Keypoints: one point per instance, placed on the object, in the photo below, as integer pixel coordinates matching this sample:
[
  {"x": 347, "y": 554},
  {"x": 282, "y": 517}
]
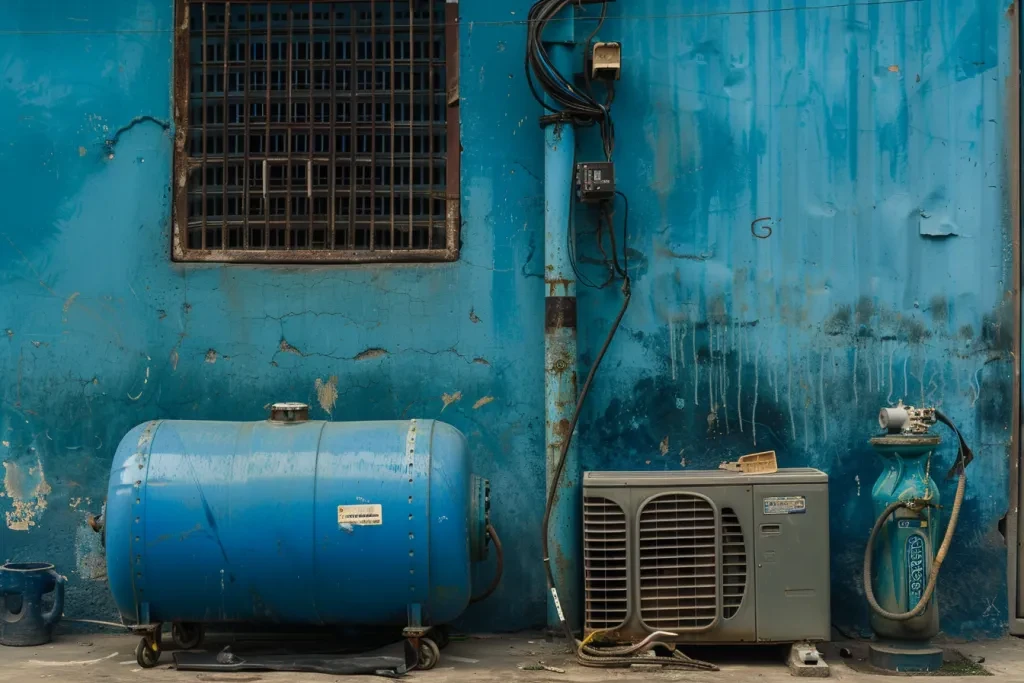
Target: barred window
[{"x": 316, "y": 131}]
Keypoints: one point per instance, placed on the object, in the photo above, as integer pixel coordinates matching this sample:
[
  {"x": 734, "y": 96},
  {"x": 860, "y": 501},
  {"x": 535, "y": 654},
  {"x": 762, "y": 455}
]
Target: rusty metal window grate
[{"x": 316, "y": 131}]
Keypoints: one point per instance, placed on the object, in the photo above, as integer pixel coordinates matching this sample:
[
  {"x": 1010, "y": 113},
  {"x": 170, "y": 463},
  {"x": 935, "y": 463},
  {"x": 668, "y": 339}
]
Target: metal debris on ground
[{"x": 541, "y": 666}]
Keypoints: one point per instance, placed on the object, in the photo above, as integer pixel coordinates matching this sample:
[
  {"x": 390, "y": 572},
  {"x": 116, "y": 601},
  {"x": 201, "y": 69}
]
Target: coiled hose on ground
[
  {"x": 964, "y": 456},
  {"x": 627, "y": 655}
]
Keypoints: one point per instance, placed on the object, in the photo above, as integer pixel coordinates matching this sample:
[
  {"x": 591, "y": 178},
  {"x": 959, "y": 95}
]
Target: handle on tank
[{"x": 57, "y": 611}]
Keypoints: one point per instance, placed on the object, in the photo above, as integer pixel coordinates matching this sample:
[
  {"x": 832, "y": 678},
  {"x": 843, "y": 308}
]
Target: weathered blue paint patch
[{"x": 845, "y": 127}]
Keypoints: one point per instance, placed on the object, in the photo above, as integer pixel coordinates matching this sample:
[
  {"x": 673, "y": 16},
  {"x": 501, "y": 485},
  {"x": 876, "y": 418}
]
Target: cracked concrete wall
[{"x": 839, "y": 134}]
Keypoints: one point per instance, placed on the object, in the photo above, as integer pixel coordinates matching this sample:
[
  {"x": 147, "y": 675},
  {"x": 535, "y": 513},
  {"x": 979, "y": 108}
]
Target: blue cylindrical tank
[{"x": 301, "y": 522}]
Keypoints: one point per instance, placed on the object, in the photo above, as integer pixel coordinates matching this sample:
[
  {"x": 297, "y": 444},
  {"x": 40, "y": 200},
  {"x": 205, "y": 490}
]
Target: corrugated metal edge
[{"x": 1014, "y": 156}]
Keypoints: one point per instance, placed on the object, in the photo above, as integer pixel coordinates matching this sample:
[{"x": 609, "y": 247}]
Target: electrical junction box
[
  {"x": 606, "y": 61},
  {"x": 712, "y": 556},
  {"x": 595, "y": 181}
]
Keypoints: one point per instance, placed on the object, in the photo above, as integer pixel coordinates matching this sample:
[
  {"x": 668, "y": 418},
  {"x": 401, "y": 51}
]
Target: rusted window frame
[{"x": 180, "y": 252}]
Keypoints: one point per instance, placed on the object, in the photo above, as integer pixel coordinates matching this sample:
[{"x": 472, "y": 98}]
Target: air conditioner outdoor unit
[{"x": 713, "y": 556}]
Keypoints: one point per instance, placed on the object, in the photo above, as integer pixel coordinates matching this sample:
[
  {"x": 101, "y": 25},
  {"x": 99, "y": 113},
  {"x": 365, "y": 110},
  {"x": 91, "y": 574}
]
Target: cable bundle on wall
[{"x": 568, "y": 103}]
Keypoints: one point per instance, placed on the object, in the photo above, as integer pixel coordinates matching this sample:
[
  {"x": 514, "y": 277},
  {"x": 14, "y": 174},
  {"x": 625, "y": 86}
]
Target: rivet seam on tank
[
  {"x": 144, "y": 439},
  {"x": 135, "y": 548},
  {"x": 410, "y": 452}
]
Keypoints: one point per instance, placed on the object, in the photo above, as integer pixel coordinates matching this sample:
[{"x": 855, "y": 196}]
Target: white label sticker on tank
[
  {"x": 785, "y": 505},
  {"x": 360, "y": 515}
]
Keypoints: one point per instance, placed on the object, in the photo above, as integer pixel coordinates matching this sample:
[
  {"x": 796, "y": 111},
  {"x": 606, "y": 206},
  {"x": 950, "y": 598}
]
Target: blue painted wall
[{"x": 878, "y": 139}]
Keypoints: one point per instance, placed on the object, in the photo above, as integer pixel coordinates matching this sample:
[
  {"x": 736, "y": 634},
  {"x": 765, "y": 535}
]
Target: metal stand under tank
[{"x": 905, "y": 656}]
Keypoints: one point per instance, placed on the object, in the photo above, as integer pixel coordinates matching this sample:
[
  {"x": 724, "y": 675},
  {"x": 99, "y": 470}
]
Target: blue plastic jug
[{"x": 23, "y": 620}]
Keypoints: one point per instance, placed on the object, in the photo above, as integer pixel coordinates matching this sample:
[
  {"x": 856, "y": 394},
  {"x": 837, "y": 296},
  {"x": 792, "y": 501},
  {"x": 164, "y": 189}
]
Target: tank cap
[{"x": 289, "y": 412}]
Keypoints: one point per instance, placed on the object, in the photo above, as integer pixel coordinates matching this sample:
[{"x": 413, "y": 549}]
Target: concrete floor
[{"x": 483, "y": 659}]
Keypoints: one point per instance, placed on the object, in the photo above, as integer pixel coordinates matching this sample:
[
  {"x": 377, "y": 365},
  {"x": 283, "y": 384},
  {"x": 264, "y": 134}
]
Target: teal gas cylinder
[
  {"x": 908, "y": 539},
  {"x": 907, "y": 546}
]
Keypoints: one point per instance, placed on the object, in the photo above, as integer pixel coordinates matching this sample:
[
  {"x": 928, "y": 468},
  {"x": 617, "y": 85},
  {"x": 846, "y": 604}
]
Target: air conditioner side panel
[{"x": 792, "y": 562}]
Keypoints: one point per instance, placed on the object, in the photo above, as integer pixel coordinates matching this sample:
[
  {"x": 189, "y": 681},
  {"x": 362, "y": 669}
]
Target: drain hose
[
  {"x": 933, "y": 576},
  {"x": 627, "y": 655},
  {"x": 499, "y": 569}
]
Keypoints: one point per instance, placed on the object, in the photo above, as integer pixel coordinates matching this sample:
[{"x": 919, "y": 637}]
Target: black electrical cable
[
  {"x": 580, "y": 277},
  {"x": 568, "y": 104},
  {"x": 614, "y": 269},
  {"x": 570, "y": 247},
  {"x": 589, "y": 42},
  {"x": 560, "y": 466},
  {"x": 608, "y": 132},
  {"x": 586, "y": 654},
  {"x": 607, "y": 211},
  {"x": 499, "y": 570},
  {"x": 626, "y": 229}
]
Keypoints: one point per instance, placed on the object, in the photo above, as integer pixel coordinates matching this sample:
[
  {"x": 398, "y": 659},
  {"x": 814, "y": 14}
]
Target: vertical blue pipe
[{"x": 560, "y": 357}]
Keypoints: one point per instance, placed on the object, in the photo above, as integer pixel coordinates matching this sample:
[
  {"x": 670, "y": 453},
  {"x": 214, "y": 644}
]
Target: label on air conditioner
[
  {"x": 360, "y": 515},
  {"x": 785, "y": 505}
]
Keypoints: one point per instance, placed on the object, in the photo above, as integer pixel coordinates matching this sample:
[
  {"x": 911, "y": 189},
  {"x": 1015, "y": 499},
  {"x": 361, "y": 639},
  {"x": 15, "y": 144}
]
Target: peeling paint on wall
[
  {"x": 27, "y": 490},
  {"x": 285, "y": 347},
  {"x": 375, "y": 352},
  {"x": 90, "y": 559},
  {"x": 448, "y": 399},
  {"x": 67, "y": 305},
  {"x": 327, "y": 392}
]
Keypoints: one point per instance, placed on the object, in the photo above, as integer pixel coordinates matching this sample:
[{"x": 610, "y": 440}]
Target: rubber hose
[
  {"x": 933, "y": 576},
  {"x": 677, "y": 661},
  {"x": 97, "y": 622},
  {"x": 625, "y": 655},
  {"x": 499, "y": 553}
]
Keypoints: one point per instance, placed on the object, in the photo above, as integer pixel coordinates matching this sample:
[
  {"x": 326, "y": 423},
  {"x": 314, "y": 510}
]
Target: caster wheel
[
  {"x": 187, "y": 635},
  {"x": 429, "y": 655},
  {"x": 147, "y": 653}
]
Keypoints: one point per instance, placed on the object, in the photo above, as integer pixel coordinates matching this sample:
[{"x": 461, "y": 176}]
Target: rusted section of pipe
[{"x": 559, "y": 312}]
